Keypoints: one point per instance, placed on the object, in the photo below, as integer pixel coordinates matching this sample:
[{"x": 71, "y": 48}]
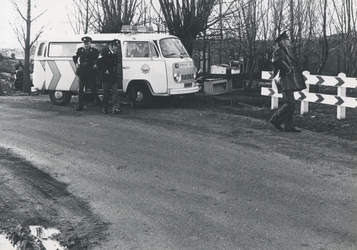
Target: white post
[
  {"x": 274, "y": 100},
  {"x": 304, "y": 107},
  {"x": 230, "y": 85},
  {"x": 341, "y": 91}
]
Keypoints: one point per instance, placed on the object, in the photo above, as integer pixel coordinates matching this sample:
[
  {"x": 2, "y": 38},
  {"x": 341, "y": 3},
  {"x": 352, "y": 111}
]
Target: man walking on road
[{"x": 289, "y": 79}]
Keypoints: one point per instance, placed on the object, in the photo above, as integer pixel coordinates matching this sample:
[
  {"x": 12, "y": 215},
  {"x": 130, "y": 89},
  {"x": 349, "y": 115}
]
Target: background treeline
[{"x": 215, "y": 31}]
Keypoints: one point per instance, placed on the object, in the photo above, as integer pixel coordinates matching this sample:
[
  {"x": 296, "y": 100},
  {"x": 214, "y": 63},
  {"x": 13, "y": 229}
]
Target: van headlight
[{"x": 177, "y": 77}]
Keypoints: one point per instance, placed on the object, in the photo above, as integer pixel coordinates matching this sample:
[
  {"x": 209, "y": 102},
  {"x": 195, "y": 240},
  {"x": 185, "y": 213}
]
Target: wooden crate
[{"x": 215, "y": 86}]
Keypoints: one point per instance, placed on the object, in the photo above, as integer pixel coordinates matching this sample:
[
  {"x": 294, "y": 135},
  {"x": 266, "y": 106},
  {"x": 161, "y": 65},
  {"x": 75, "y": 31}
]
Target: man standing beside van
[
  {"x": 85, "y": 60},
  {"x": 108, "y": 68}
]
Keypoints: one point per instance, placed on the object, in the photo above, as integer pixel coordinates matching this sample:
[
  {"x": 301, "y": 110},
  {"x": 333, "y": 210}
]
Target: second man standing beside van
[{"x": 108, "y": 68}]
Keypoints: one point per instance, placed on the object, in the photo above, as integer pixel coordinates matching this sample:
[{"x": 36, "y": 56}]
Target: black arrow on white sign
[
  {"x": 339, "y": 100},
  {"x": 319, "y": 98}
]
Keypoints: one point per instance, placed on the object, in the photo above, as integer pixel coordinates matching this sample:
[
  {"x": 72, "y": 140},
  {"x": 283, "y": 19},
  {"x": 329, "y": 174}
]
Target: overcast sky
[{"x": 54, "y": 20}]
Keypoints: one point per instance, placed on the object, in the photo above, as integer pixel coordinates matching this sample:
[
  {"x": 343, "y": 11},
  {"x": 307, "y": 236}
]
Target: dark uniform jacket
[
  {"x": 108, "y": 61},
  {"x": 287, "y": 66},
  {"x": 87, "y": 60}
]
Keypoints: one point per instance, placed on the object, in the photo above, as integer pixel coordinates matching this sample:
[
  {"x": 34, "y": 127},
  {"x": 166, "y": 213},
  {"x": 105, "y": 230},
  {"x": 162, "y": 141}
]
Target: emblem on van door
[{"x": 145, "y": 69}]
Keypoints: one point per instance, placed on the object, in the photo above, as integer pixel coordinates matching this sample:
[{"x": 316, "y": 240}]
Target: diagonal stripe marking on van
[
  {"x": 43, "y": 65},
  {"x": 43, "y": 85},
  {"x": 74, "y": 85},
  {"x": 56, "y": 75}
]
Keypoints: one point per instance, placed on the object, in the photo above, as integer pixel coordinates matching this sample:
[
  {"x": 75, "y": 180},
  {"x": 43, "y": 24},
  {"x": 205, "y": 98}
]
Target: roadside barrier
[{"x": 341, "y": 82}]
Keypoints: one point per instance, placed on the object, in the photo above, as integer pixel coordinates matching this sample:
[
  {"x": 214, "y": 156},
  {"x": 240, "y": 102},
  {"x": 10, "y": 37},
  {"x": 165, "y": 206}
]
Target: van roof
[{"x": 109, "y": 37}]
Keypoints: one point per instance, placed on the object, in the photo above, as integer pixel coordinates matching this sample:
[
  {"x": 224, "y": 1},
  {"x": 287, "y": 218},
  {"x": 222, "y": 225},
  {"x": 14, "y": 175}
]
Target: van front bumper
[{"x": 184, "y": 91}]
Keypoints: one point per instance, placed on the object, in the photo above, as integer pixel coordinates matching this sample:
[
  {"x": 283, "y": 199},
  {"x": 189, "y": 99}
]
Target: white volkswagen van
[{"x": 164, "y": 69}]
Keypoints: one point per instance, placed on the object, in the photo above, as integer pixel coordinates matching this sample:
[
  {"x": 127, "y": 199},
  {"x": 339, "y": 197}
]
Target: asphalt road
[{"x": 187, "y": 177}]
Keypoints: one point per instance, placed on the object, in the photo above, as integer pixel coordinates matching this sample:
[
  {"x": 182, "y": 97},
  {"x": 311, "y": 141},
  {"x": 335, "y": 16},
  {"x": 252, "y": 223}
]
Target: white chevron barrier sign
[{"x": 341, "y": 82}]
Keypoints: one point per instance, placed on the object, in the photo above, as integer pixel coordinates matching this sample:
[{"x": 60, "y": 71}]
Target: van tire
[
  {"x": 60, "y": 98},
  {"x": 140, "y": 96}
]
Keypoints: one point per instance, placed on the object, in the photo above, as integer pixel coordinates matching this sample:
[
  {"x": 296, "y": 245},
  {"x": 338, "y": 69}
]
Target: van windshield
[{"x": 173, "y": 48}]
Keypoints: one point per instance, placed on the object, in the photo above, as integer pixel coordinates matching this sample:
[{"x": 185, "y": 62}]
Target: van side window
[
  {"x": 136, "y": 49},
  {"x": 61, "y": 49},
  {"x": 41, "y": 50}
]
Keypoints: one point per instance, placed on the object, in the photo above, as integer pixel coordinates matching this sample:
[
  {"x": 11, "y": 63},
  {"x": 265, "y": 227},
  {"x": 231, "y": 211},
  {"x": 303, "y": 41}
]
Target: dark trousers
[
  {"x": 91, "y": 82},
  {"x": 285, "y": 114},
  {"x": 107, "y": 87}
]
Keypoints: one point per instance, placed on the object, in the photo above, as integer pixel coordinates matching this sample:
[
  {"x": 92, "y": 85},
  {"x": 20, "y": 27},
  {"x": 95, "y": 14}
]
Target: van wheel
[
  {"x": 60, "y": 98},
  {"x": 140, "y": 96}
]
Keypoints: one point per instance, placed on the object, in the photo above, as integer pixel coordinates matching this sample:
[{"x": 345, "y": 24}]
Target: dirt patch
[{"x": 31, "y": 197}]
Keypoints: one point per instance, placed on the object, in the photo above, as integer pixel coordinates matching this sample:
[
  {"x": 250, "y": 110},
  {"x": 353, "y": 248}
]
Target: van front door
[
  {"x": 141, "y": 62},
  {"x": 120, "y": 67}
]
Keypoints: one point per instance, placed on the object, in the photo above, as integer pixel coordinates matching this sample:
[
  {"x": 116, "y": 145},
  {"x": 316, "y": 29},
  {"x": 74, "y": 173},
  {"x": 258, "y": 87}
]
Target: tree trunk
[
  {"x": 292, "y": 24},
  {"x": 325, "y": 46},
  {"x": 27, "y": 81},
  {"x": 186, "y": 19}
]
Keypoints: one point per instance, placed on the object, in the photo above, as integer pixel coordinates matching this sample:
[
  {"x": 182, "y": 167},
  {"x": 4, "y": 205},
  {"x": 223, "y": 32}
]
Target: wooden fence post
[
  {"x": 341, "y": 91},
  {"x": 274, "y": 99},
  {"x": 304, "y": 106}
]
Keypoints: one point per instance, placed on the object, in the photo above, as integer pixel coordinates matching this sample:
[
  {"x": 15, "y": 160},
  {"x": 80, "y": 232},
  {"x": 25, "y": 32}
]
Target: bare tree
[
  {"x": 24, "y": 37},
  {"x": 325, "y": 45},
  {"x": 105, "y": 16},
  {"x": 186, "y": 19},
  {"x": 114, "y": 14},
  {"x": 216, "y": 42},
  {"x": 83, "y": 15},
  {"x": 247, "y": 16},
  {"x": 250, "y": 30},
  {"x": 345, "y": 26}
]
